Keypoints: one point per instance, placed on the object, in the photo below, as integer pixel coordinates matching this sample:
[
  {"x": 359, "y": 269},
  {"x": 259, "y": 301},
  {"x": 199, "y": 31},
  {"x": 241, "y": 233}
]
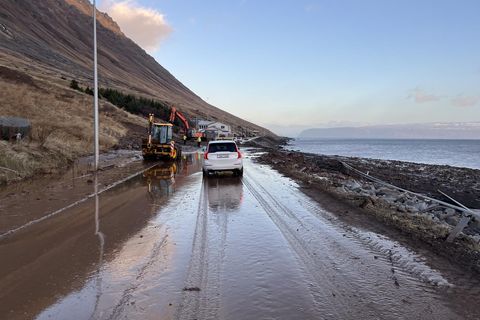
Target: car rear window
[{"x": 222, "y": 147}]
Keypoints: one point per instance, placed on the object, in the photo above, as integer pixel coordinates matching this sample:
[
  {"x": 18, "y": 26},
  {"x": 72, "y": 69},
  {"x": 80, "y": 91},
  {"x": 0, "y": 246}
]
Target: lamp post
[{"x": 95, "y": 86}]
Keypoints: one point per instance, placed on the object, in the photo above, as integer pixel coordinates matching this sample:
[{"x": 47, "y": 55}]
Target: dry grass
[{"x": 62, "y": 127}]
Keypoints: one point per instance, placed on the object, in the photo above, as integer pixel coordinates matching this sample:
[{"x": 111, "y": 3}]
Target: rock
[
  {"x": 353, "y": 185},
  {"x": 439, "y": 214},
  {"x": 367, "y": 202},
  {"x": 384, "y": 191},
  {"x": 410, "y": 208},
  {"x": 409, "y": 202},
  {"x": 452, "y": 220},
  {"x": 420, "y": 206},
  {"x": 476, "y": 238},
  {"x": 401, "y": 197},
  {"x": 389, "y": 199},
  {"x": 449, "y": 212}
]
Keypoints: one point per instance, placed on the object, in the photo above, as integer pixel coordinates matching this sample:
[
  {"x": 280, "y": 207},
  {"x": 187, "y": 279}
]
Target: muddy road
[{"x": 165, "y": 243}]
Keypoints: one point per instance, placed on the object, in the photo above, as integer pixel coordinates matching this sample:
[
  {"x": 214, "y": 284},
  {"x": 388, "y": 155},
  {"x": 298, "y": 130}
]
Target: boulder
[
  {"x": 452, "y": 220},
  {"x": 353, "y": 185}
]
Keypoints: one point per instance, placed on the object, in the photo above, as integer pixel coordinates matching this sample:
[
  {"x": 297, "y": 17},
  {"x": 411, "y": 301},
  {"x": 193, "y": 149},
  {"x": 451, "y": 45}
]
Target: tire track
[
  {"x": 128, "y": 293},
  {"x": 321, "y": 288},
  {"x": 339, "y": 264},
  {"x": 401, "y": 258},
  {"x": 200, "y": 296}
]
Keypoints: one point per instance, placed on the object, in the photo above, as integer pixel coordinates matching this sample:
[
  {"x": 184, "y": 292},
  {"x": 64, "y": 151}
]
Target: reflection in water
[
  {"x": 101, "y": 240},
  {"x": 161, "y": 180},
  {"x": 224, "y": 192},
  {"x": 191, "y": 163}
]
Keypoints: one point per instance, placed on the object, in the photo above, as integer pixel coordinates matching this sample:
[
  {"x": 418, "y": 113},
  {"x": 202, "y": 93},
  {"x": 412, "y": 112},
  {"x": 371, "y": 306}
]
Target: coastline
[
  {"x": 320, "y": 174},
  {"x": 462, "y": 153}
]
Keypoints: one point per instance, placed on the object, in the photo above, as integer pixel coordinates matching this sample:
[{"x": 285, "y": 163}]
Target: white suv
[{"x": 222, "y": 155}]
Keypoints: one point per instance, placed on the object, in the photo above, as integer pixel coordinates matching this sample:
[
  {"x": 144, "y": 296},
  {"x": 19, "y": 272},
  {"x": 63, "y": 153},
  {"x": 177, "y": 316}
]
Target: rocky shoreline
[{"x": 413, "y": 215}]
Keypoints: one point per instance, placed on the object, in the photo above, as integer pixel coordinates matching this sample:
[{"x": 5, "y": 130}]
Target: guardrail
[{"x": 467, "y": 214}]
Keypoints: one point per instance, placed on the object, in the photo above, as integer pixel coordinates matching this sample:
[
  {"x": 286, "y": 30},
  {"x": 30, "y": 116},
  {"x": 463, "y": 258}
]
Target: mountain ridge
[
  {"x": 437, "y": 130},
  {"x": 52, "y": 39}
]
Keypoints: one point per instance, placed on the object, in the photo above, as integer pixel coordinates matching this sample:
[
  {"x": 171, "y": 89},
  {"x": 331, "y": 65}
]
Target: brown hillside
[{"x": 50, "y": 39}]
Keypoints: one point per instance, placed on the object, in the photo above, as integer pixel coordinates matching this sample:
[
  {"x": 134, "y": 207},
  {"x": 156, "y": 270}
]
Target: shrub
[
  {"x": 74, "y": 85},
  {"x": 89, "y": 91}
]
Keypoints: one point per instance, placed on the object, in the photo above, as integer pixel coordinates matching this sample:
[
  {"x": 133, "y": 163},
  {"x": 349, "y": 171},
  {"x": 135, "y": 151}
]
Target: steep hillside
[
  {"x": 52, "y": 40},
  {"x": 62, "y": 125}
]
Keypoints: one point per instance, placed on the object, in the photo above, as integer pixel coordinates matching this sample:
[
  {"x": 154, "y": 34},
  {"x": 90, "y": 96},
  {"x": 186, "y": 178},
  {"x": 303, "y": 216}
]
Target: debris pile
[{"x": 408, "y": 211}]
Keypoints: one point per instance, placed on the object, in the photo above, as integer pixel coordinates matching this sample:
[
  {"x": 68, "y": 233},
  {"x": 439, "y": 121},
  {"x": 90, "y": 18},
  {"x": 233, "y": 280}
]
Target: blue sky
[{"x": 328, "y": 62}]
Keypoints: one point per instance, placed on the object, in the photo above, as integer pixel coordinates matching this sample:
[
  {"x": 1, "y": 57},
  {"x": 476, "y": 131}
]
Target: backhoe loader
[{"x": 159, "y": 142}]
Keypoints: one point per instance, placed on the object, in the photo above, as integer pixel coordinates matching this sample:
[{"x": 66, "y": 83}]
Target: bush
[
  {"x": 134, "y": 104},
  {"x": 74, "y": 85},
  {"x": 130, "y": 103},
  {"x": 89, "y": 91}
]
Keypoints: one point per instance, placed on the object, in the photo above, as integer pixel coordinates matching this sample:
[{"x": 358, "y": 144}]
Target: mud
[{"x": 33, "y": 199}]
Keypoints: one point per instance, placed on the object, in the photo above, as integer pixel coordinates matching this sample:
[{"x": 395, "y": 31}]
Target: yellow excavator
[{"x": 160, "y": 143}]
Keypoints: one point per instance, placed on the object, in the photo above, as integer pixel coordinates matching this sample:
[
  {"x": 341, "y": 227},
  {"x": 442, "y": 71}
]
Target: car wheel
[
  {"x": 205, "y": 173},
  {"x": 239, "y": 172}
]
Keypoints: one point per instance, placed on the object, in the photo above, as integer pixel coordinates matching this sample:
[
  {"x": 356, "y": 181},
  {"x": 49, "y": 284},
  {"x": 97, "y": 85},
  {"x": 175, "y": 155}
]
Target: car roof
[{"x": 222, "y": 141}]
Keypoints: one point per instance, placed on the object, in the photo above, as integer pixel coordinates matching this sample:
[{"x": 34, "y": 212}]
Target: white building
[
  {"x": 203, "y": 124},
  {"x": 222, "y": 128}
]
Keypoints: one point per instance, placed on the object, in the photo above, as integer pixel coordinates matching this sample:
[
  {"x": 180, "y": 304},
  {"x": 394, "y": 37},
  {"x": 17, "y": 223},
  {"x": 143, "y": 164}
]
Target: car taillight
[
  {"x": 239, "y": 154},
  {"x": 205, "y": 156}
]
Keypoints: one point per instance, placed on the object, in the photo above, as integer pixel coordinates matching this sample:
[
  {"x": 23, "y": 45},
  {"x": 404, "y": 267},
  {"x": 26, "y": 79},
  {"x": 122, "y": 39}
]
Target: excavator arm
[{"x": 177, "y": 114}]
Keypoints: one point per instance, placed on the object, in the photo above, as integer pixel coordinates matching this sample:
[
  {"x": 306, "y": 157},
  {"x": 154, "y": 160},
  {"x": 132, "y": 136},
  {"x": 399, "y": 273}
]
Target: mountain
[
  {"x": 447, "y": 130},
  {"x": 52, "y": 41}
]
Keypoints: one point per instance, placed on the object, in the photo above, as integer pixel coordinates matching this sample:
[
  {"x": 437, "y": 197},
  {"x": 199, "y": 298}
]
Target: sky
[{"x": 290, "y": 65}]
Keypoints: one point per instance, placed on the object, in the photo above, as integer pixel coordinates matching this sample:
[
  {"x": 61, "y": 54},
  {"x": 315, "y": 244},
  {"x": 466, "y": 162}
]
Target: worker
[
  {"x": 184, "y": 139},
  {"x": 199, "y": 141}
]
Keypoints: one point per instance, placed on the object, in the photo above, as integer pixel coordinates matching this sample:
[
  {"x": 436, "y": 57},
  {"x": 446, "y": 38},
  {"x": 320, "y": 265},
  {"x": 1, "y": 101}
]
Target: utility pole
[{"x": 95, "y": 86}]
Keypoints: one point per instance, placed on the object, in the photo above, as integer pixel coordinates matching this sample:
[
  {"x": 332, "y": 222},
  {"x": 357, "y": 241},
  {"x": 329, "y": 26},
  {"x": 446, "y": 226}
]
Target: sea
[{"x": 458, "y": 153}]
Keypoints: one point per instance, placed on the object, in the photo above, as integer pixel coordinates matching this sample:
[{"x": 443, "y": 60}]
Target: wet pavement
[{"x": 169, "y": 244}]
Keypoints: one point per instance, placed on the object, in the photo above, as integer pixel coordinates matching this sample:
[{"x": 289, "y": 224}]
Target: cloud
[
  {"x": 421, "y": 96},
  {"x": 463, "y": 101},
  {"x": 147, "y": 27}
]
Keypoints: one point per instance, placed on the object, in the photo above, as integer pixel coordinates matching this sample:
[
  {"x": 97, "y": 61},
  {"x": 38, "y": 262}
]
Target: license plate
[{"x": 222, "y": 156}]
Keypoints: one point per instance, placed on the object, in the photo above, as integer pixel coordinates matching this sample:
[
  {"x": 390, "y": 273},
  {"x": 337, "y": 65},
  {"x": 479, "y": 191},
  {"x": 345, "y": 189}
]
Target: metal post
[{"x": 95, "y": 86}]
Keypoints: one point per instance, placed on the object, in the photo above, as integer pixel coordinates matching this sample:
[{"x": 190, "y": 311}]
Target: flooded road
[{"x": 169, "y": 244}]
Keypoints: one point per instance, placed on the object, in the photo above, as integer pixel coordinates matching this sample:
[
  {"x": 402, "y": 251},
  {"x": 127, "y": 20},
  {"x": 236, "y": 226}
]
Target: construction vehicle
[
  {"x": 174, "y": 113},
  {"x": 188, "y": 131},
  {"x": 160, "y": 143},
  {"x": 160, "y": 182}
]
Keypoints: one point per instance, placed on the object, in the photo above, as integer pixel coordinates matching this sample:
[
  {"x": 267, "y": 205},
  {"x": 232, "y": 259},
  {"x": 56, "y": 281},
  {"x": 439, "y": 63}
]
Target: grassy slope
[
  {"x": 53, "y": 38},
  {"x": 62, "y": 125}
]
